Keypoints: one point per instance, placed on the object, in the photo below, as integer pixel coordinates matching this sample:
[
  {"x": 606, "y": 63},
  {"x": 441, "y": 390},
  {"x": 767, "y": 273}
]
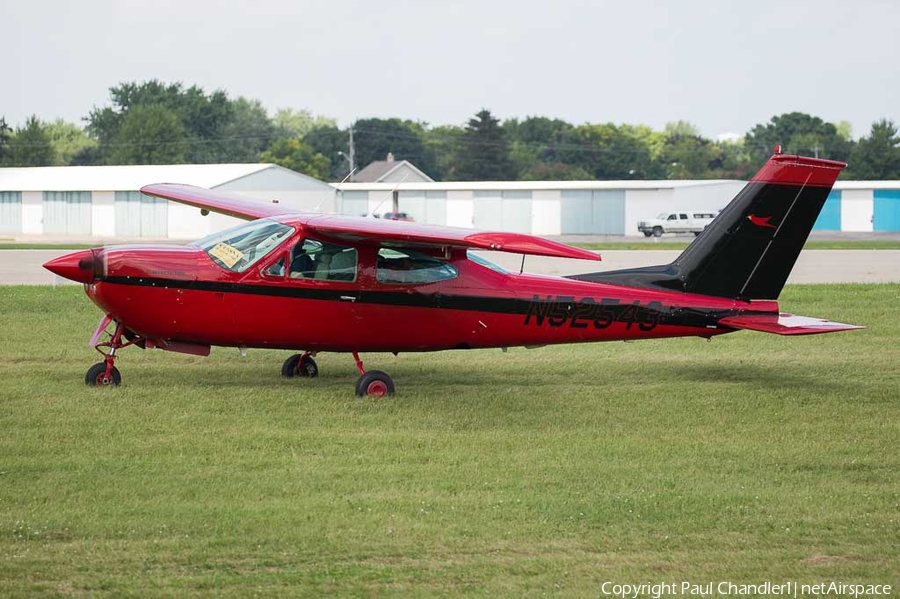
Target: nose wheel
[
  {"x": 105, "y": 373},
  {"x": 373, "y": 383}
]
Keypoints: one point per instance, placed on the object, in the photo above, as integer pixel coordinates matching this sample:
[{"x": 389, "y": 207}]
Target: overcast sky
[{"x": 724, "y": 66}]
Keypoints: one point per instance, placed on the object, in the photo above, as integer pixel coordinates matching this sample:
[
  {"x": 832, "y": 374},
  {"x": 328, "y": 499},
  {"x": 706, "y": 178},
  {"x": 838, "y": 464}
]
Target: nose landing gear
[{"x": 105, "y": 373}]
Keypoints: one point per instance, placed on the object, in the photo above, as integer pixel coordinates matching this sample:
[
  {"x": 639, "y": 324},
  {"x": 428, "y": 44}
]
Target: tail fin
[{"x": 750, "y": 248}]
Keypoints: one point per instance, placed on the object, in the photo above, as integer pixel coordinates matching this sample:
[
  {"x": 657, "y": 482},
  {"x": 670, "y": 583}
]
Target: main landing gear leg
[
  {"x": 300, "y": 365},
  {"x": 374, "y": 382},
  {"x": 105, "y": 374}
]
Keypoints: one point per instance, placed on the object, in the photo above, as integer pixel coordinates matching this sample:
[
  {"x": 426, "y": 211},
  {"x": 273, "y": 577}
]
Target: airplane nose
[{"x": 77, "y": 266}]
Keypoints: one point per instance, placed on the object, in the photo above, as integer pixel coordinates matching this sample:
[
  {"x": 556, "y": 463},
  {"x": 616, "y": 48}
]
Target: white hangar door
[
  {"x": 356, "y": 203},
  {"x": 10, "y": 212},
  {"x": 593, "y": 212},
  {"x": 138, "y": 215},
  {"x": 67, "y": 212}
]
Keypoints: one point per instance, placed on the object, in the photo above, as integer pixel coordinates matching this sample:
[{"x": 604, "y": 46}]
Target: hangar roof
[
  {"x": 526, "y": 185},
  {"x": 125, "y": 178}
]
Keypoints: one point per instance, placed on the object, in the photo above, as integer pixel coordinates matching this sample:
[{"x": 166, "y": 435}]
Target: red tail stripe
[{"x": 799, "y": 170}]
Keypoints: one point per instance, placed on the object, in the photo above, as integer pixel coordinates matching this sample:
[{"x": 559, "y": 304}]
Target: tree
[
  {"x": 5, "y": 135},
  {"x": 297, "y": 123},
  {"x": 797, "y": 133},
  {"x": 878, "y": 155},
  {"x": 202, "y": 118},
  {"x": 31, "y": 145},
  {"x": 685, "y": 154},
  {"x": 148, "y": 134},
  {"x": 484, "y": 153},
  {"x": 441, "y": 146},
  {"x": 533, "y": 142},
  {"x": 375, "y": 138},
  {"x": 68, "y": 141},
  {"x": 247, "y": 133},
  {"x": 292, "y": 153},
  {"x": 332, "y": 143},
  {"x": 610, "y": 152}
]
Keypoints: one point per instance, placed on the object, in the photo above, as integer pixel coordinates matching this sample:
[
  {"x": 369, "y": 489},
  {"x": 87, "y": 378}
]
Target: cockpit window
[
  {"x": 408, "y": 267},
  {"x": 240, "y": 247}
]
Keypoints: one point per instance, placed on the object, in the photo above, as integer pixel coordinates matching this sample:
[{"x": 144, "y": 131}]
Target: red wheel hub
[
  {"x": 103, "y": 380},
  {"x": 376, "y": 389}
]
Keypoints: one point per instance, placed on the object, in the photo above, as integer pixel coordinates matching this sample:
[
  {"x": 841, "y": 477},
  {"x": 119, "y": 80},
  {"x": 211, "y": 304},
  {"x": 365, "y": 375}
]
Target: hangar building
[
  {"x": 104, "y": 201},
  {"x": 599, "y": 207}
]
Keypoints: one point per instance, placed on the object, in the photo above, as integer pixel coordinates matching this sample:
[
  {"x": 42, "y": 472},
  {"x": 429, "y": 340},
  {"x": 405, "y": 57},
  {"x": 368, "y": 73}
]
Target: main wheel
[
  {"x": 657, "y": 231},
  {"x": 299, "y": 365},
  {"x": 96, "y": 376},
  {"x": 647, "y": 233},
  {"x": 374, "y": 383}
]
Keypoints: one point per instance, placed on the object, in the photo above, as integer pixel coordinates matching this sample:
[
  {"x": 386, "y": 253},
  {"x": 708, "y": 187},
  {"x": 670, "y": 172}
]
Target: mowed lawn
[{"x": 748, "y": 459}]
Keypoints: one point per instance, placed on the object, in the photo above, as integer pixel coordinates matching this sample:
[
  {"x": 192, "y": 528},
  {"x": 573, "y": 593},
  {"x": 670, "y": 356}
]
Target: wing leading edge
[{"x": 354, "y": 229}]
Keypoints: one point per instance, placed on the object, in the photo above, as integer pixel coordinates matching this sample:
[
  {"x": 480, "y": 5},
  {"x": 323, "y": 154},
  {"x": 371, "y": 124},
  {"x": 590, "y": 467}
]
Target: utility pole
[{"x": 352, "y": 149}]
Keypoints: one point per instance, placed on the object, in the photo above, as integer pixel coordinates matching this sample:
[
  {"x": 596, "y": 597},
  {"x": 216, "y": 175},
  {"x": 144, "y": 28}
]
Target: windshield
[
  {"x": 481, "y": 260},
  {"x": 240, "y": 247}
]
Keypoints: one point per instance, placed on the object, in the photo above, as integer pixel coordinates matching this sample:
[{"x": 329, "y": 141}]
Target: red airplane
[{"x": 314, "y": 282}]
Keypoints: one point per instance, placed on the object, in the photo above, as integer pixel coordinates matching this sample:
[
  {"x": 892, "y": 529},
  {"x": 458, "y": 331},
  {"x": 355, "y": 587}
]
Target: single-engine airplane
[{"x": 313, "y": 282}]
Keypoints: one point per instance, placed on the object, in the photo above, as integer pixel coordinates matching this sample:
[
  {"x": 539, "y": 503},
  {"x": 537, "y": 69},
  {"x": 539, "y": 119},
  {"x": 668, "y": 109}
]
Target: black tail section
[{"x": 750, "y": 248}]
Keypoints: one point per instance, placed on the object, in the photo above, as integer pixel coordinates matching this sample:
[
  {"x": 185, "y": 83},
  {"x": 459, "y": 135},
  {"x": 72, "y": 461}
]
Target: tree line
[{"x": 152, "y": 122}]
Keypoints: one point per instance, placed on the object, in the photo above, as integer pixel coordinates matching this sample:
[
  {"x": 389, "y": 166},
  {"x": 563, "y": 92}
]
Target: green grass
[
  {"x": 750, "y": 458},
  {"x": 875, "y": 244}
]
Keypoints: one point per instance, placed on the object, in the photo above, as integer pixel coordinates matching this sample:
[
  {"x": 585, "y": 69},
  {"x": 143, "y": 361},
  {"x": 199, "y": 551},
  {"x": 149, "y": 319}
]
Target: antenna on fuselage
[
  {"x": 337, "y": 189},
  {"x": 390, "y": 195},
  {"x": 522, "y": 268}
]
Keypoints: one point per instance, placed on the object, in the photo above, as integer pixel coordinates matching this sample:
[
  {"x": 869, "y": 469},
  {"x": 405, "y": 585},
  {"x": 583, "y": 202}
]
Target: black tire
[
  {"x": 657, "y": 231},
  {"x": 96, "y": 376},
  {"x": 299, "y": 365},
  {"x": 647, "y": 233},
  {"x": 375, "y": 383}
]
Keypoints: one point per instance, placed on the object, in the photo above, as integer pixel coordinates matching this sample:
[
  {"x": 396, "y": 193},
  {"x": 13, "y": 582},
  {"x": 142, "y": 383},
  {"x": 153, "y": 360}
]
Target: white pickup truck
[{"x": 676, "y": 222}]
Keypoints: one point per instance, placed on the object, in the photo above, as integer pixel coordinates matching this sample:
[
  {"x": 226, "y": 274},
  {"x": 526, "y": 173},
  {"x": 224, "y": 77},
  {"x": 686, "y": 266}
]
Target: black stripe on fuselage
[{"x": 666, "y": 315}]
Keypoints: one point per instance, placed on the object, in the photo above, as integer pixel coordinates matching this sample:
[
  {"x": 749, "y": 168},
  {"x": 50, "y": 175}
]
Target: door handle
[{"x": 348, "y": 298}]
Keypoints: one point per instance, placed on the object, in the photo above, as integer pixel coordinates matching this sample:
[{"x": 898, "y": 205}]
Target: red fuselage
[{"x": 178, "y": 294}]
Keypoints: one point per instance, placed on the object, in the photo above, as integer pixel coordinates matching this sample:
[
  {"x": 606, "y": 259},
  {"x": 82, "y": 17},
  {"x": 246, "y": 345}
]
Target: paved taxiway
[{"x": 23, "y": 267}]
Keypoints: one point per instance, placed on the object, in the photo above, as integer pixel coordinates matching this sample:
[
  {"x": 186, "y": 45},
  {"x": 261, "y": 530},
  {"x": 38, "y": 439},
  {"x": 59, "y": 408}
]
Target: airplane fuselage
[{"x": 178, "y": 294}]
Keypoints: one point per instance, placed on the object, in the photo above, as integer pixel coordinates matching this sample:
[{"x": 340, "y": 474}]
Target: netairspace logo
[{"x": 725, "y": 588}]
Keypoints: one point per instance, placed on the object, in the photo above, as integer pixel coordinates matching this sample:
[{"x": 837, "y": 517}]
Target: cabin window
[
  {"x": 408, "y": 267},
  {"x": 239, "y": 248},
  {"x": 323, "y": 261},
  {"x": 482, "y": 261},
  {"x": 672, "y": 217}
]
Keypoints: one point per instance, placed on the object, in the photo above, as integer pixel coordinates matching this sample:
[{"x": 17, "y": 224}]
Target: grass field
[{"x": 748, "y": 459}]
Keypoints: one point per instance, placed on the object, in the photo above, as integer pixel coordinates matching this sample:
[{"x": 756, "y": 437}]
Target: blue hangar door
[
  {"x": 830, "y": 217},
  {"x": 886, "y": 213}
]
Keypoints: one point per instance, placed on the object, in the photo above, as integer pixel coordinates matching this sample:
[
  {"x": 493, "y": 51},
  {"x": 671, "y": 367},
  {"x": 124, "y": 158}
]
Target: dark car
[{"x": 397, "y": 216}]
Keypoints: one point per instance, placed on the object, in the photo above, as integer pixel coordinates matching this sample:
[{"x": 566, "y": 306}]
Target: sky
[{"x": 722, "y": 66}]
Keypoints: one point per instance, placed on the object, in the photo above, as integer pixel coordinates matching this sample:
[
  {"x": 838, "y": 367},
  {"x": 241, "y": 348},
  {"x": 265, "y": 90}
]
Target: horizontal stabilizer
[{"x": 785, "y": 324}]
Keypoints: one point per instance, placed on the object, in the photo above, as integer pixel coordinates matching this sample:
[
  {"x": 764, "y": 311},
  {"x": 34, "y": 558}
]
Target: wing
[
  {"x": 785, "y": 324},
  {"x": 215, "y": 201},
  {"x": 356, "y": 229}
]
